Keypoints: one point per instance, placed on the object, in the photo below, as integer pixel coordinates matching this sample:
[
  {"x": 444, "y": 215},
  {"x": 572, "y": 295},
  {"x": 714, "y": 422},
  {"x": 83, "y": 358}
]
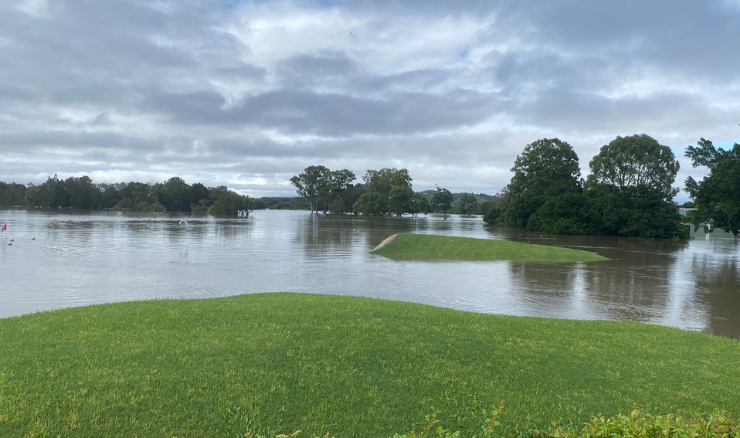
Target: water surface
[{"x": 80, "y": 259}]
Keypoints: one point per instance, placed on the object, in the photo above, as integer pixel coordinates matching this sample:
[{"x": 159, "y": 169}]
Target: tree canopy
[
  {"x": 717, "y": 196},
  {"x": 629, "y": 193},
  {"x": 442, "y": 200},
  {"x": 546, "y": 168},
  {"x": 323, "y": 188},
  {"x": 635, "y": 161}
]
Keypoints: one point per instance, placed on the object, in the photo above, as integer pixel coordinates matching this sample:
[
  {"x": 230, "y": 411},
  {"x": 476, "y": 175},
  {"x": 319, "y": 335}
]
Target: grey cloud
[
  {"x": 571, "y": 110},
  {"x": 170, "y": 85},
  {"x": 332, "y": 114},
  {"x": 307, "y": 71}
]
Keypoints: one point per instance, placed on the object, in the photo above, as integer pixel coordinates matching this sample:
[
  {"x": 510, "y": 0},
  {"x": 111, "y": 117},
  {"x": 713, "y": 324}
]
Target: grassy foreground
[
  {"x": 427, "y": 247},
  {"x": 276, "y": 363}
]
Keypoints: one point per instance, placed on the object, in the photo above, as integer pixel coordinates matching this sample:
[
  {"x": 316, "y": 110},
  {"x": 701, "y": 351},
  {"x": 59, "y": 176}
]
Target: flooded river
[{"x": 80, "y": 259}]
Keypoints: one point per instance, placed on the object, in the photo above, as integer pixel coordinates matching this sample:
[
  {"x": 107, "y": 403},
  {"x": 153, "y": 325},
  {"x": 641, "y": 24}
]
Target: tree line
[
  {"x": 82, "y": 194},
  {"x": 381, "y": 192},
  {"x": 628, "y": 193}
]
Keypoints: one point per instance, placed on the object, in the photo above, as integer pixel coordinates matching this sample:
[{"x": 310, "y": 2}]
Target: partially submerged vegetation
[
  {"x": 277, "y": 363},
  {"x": 426, "y": 247}
]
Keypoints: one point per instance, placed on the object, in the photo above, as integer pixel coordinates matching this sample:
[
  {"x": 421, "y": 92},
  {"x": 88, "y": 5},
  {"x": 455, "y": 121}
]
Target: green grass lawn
[
  {"x": 352, "y": 366},
  {"x": 427, "y": 247}
]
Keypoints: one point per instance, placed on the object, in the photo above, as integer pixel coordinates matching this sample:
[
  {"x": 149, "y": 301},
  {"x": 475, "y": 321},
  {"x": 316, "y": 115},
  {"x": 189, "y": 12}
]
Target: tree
[
  {"x": 351, "y": 196},
  {"x": 388, "y": 189},
  {"x": 12, "y": 194},
  {"x": 332, "y": 191},
  {"x": 371, "y": 204},
  {"x": 442, "y": 200},
  {"x": 468, "y": 204},
  {"x": 312, "y": 183},
  {"x": 717, "y": 196},
  {"x": 419, "y": 204},
  {"x": 82, "y": 192},
  {"x": 401, "y": 194},
  {"x": 496, "y": 207},
  {"x": 634, "y": 212},
  {"x": 635, "y": 161},
  {"x": 176, "y": 195},
  {"x": 546, "y": 168},
  {"x": 229, "y": 204}
]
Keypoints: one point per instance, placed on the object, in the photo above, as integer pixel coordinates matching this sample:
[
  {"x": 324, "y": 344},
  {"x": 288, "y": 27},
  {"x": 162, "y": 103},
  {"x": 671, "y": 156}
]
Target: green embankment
[
  {"x": 276, "y": 363},
  {"x": 426, "y": 247}
]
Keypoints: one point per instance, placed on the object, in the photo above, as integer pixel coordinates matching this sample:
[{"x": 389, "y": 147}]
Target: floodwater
[{"x": 81, "y": 259}]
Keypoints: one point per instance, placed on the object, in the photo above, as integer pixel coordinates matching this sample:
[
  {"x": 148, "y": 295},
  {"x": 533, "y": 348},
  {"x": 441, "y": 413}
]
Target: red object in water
[{"x": 5, "y": 227}]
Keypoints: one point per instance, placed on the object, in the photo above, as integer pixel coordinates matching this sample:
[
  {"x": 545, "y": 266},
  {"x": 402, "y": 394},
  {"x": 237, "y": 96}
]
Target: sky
[{"x": 249, "y": 93}]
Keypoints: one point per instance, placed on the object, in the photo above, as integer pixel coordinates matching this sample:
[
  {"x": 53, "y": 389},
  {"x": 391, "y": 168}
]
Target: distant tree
[
  {"x": 468, "y": 204},
  {"x": 401, "y": 194},
  {"x": 332, "y": 192},
  {"x": 197, "y": 192},
  {"x": 229, "y": 204},
  {"x": 635, "y": 161},
  {"x": 717, "y": 196},
  {"x": 81, "y": 192},
  {"x": 12, "y": 194},
  {"x": 546, "y": 168},
  {"x": 419, "y": 203},
  {"x": 371, "y": 204},
  {"x": 442, "y": 200},
  {"x": 351, "y": 196},
  {"x": 379, "y": 181},
  {"x": 176, "y": 195},
  {"x": 50, "y": 194},
  {"x": 110, "y": 195},
  {"x": 387, "y": 190},
  {"x": 314, "y": 182}
]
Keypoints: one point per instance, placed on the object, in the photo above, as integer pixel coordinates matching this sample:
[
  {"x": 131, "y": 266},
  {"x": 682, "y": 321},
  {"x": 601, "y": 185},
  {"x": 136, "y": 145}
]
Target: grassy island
[
  {"x": 277, "y": 363},
  {"x": 427, "y": 247}
]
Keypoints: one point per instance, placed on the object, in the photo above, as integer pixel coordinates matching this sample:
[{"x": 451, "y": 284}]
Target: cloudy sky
[{"x": 248, "y": 93}]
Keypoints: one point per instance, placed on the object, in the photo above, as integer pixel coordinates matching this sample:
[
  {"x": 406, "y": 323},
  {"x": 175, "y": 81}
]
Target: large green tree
[
  {"x": 312, "y": 184},
  {"x": 546, "y": 168},
  {"x": 442, "y": 200},
  {"x": 717, "y": 196},
  {"x": 468, "y": 204},
  {"x": 323, "y": 188},
  {"x": 401, "y": 194},
  {"x": 635, "y": 161},
  {"x": 387, "y": 190}
]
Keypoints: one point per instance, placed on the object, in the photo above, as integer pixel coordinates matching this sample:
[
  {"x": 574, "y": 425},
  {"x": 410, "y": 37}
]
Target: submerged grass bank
[
  {"x": 355, "y": 367},
  {"x": 426, "y": 247}
]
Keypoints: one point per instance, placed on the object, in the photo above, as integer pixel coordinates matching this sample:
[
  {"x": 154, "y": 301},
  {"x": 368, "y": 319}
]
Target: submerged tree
[
  {"x": 468, "y": 204},
  {"x": 311, "y": 183},
  {"x": 442, "y": 200}
]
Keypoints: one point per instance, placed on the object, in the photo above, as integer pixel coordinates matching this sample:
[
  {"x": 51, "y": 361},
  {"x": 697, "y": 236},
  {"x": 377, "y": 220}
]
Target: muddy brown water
[{"x": 80, "y": 258}]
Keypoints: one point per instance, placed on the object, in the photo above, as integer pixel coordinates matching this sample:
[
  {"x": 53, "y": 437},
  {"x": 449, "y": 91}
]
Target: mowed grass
[
  {"x": 355, "y": 367},
  {"x": 427, "y": 247}
]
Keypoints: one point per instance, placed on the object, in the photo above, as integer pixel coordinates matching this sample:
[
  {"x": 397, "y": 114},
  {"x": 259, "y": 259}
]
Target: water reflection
[{"x": 80, "y": 259}]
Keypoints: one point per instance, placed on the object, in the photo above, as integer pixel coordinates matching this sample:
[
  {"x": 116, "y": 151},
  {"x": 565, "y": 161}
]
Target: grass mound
[
  {"x": 426, "y": 247},
  {"x": 277, "y": 363}
]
